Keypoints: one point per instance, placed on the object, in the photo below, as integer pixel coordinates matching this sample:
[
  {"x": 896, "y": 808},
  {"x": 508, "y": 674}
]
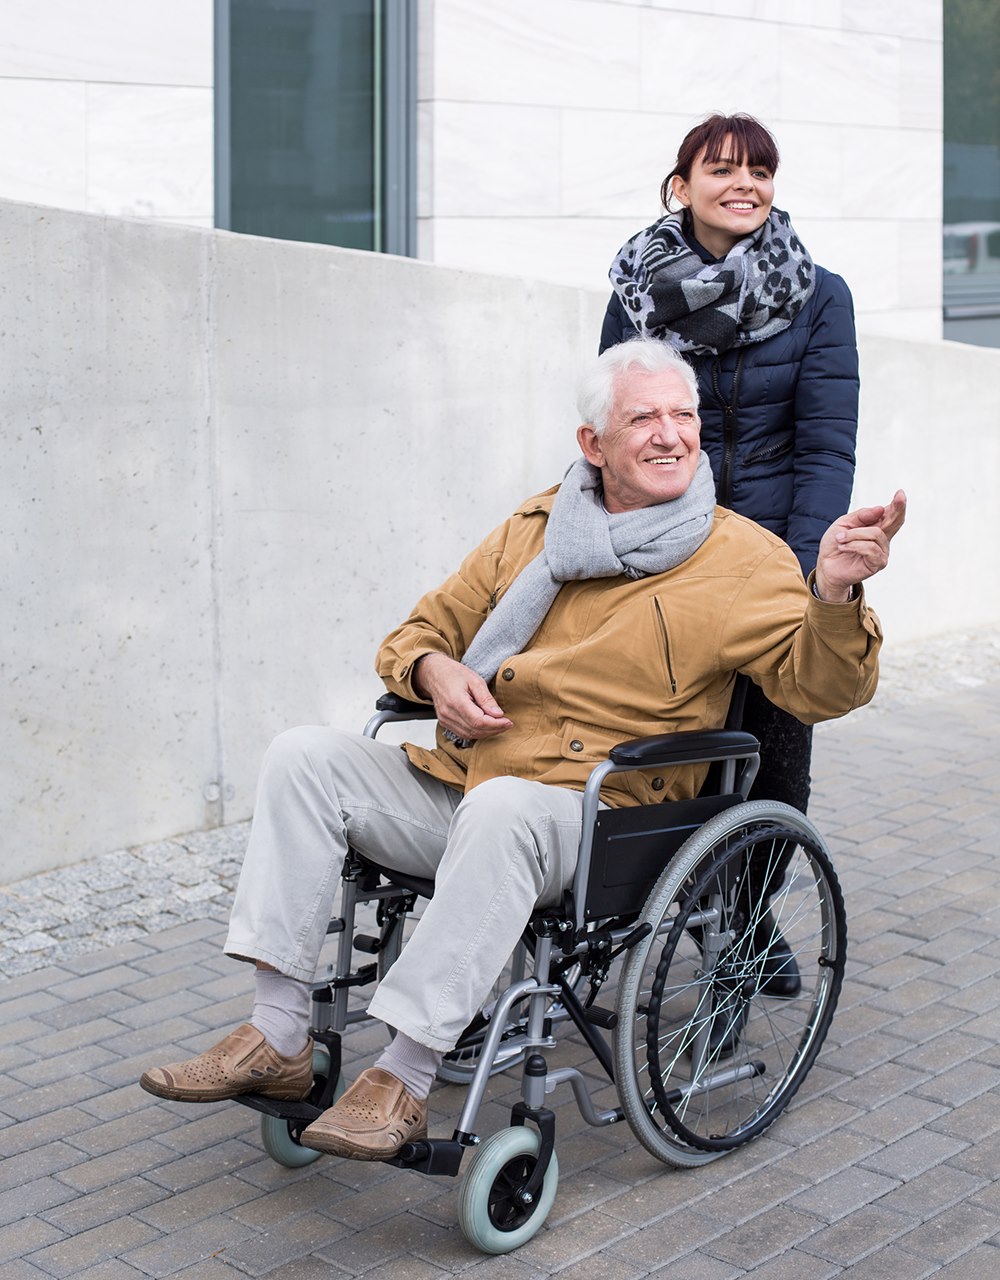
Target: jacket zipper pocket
[
  {"x": 776, "y": 450},
  {"x": 666, "y": 644}
]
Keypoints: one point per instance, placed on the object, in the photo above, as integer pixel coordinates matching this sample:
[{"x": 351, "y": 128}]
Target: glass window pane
[
  {"x": 972, "y": 171},
  {"x": 302, "y": 120}
]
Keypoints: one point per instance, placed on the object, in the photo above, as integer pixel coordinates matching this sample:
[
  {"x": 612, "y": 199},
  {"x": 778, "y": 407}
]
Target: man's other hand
[
  {"x": 462, "y": 700},
  {"x": 856, "y": 547}
]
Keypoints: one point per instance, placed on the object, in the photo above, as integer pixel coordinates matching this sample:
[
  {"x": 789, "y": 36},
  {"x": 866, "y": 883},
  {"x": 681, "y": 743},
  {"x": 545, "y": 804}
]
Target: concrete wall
[
  {"x": 231, "y": 464},
  {"x": 545, "y": 131},
  {"x": 930, "y": 424}
]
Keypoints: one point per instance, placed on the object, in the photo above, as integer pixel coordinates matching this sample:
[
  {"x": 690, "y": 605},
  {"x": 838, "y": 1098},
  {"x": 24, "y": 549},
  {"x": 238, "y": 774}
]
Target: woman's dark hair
[{"x": 749, "y": 139}]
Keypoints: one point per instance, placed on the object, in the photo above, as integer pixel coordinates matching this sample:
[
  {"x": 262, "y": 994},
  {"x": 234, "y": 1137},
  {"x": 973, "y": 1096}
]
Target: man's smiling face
[{"x": 648, "y": 453}]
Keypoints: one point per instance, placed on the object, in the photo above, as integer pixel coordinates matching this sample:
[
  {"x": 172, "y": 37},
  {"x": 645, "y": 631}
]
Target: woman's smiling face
[{"x": 728, "y": 198}]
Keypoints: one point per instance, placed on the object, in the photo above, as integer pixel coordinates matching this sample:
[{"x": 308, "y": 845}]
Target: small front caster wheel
[
  {"x": 491, "y": 1213},
  {"x": 276, "y": 1134}
]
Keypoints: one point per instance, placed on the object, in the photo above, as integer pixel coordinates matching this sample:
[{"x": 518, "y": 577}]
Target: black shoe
[
  {"x": 728, "y": 1026},
  {"x": 779, "y": 973}
]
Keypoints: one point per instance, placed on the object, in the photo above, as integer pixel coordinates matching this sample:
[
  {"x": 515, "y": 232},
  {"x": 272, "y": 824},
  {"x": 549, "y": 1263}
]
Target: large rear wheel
[{"x": 723, "y": 1008}]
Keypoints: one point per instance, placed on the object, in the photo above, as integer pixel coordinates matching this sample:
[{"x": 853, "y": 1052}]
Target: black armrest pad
[
  {"x": 404, "y": 707},
  {"x": 685, "y": 748}
]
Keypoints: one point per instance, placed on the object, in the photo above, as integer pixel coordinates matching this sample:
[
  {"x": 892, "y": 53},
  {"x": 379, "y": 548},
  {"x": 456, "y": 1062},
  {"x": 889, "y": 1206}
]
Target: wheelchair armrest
[
  {"x": 695, "y": 747},
  {"x": 403, "y": 707}
]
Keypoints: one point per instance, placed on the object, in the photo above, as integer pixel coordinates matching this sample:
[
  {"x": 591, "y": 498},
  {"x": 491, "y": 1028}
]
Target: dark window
[
  {"x": 314, "y": 121},
  {"x": 972, "y": 171}
]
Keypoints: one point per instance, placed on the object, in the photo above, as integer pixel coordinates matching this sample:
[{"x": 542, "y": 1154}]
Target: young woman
[{"x": 724, "y": 278}]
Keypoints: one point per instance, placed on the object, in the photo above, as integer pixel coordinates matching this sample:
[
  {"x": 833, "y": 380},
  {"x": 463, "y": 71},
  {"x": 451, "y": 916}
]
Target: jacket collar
[{"x": 540, "y": 504}]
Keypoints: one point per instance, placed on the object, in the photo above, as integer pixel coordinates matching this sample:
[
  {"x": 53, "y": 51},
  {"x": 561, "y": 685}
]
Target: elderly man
[{"x": 620, "y": 604}]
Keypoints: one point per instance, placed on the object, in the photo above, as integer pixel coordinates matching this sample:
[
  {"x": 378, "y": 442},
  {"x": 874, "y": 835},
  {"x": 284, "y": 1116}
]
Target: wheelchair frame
[{"x": 690, "y": 902}]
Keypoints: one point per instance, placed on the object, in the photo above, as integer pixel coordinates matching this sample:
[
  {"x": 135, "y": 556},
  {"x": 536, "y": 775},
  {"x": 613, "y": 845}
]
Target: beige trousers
[{"x": 495, "y": 854}]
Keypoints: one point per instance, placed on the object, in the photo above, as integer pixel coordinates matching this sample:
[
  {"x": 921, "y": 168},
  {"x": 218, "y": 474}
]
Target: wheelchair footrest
[
  {"x": 430, "y": 1155},
  {"x": 305, "y": 1112}
]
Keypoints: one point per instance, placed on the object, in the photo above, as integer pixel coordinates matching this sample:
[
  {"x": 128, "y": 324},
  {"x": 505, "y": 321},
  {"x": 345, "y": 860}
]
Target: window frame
[{"x": 394, "y": 124}]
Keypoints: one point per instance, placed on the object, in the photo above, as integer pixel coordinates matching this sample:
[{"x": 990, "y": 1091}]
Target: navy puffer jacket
[{"x": 780, "y": 417}]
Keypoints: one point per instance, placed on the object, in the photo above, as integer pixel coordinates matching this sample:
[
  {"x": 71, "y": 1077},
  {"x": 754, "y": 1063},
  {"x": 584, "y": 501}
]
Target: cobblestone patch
[{"x": 124, "y": 896}]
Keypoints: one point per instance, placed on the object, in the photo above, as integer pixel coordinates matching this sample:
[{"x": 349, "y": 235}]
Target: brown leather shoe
[
  {"x": 241, "y": 1063},
  {"x": 372, "y": 1120}
]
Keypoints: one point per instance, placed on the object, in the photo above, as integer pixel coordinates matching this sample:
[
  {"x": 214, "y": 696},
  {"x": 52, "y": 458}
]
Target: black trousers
[{"x": 785, "y": 751}]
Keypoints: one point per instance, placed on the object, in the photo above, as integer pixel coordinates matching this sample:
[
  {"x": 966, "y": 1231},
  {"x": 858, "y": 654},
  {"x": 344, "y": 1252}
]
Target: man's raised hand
[{"x": 856, "y": 547}]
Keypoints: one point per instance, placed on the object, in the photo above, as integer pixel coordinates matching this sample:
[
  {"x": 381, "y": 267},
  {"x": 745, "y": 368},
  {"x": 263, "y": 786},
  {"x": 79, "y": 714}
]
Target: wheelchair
[{"x": 729, "y": 925}]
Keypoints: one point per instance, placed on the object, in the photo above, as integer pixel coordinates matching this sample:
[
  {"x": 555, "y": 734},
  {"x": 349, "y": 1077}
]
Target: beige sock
[
  {"x": 281, "y": 1011},
  {"x": 413, "y": 1063}
]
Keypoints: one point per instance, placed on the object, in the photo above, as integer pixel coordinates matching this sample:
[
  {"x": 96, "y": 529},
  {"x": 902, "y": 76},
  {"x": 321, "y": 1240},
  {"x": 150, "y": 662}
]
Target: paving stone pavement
[{"x": 886, "y": 1165}]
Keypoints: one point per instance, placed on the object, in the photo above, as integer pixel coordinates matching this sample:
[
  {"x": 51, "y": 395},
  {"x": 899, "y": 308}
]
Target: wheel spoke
[{"x": 707, "y": 1054}]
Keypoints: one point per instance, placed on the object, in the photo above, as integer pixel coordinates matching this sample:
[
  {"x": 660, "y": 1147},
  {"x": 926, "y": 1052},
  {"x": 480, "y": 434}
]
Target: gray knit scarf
[
  {"x": 754, "y": 292},
  {"x": 582, "y": 540}
]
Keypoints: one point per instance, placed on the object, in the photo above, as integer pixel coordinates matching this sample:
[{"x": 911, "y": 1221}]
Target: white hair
[{"x": 596, "y": 388}]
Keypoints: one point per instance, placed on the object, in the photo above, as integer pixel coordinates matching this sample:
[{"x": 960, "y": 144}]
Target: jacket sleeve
[
  {"x": 445, "y": 619},
  {"x": 826, "y": 421},
  {"x": 617, "y": 327},
  {"x": 816, "y": 660}
]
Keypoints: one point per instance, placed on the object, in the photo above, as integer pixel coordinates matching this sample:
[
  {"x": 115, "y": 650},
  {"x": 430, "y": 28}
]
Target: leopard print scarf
[{"x": 753, "y": 293}]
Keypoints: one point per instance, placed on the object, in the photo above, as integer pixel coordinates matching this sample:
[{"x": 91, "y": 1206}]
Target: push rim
[{"x": 707, "y": 1054}]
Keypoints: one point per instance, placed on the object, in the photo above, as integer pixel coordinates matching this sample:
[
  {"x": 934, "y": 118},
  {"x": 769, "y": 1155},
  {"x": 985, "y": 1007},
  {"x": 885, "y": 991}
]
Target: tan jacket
[{"x": 618, "y": 659}]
